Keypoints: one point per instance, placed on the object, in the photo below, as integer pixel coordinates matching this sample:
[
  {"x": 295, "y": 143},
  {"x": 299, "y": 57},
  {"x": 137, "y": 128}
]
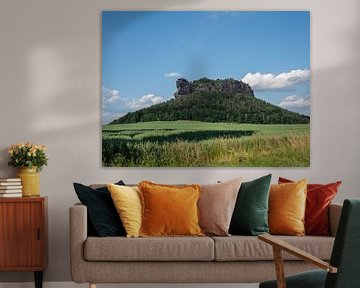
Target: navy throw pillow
[{"x": 103, "y": 218}]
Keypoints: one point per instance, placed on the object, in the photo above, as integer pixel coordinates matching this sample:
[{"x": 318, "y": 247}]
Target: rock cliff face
[
  {"x": 226, "y": 86},
  {"x": 183, "y": 87}
]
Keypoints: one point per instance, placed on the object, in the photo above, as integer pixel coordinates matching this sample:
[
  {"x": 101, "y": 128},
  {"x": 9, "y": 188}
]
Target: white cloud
[
  {"x": 145, "y": 101},
  {"x": 270, "y": 81},
  {"x": 294, "y": 101},
  {"x": 172, "y": 74},
  {"x": 216, "y": 15},
  {"x": 114, "y": 105},
  {"x": 107, "y": 117},
  {"x": 109, "y": 95}
]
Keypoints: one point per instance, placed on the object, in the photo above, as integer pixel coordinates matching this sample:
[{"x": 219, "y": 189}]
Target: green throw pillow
[{"x": 250, "y": 215}]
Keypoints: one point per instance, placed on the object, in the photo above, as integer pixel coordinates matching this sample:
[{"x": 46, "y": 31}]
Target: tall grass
[{"x": 261, "y": 150}]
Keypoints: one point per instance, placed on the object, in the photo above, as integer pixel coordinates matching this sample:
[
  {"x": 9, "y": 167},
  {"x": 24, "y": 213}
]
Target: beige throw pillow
[{"x": 216, "y": 205}]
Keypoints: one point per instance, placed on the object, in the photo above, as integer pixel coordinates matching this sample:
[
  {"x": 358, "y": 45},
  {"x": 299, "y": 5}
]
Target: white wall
[{"x": 50, "y": 94}]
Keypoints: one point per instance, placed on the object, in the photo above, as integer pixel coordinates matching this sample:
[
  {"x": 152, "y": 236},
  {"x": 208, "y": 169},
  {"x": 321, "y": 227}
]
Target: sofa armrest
[
  {"x": 78, "y": 235},
  {"x": 334, "y": 216}
]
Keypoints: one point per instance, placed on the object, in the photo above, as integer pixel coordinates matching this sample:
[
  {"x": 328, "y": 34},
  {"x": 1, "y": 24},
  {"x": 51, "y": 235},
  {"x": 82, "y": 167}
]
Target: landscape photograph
[{"x": 205, "y": 89}]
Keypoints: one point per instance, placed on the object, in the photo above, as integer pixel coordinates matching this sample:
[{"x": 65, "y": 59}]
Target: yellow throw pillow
[
  {"x": 127, "y": 201},
  {"x": 169, "y": 210},
  {"x": 287, "y": 204}
]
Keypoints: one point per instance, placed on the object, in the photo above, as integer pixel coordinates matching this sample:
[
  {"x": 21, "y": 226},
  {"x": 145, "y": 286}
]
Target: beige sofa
[{"x": 234, "y": 259}]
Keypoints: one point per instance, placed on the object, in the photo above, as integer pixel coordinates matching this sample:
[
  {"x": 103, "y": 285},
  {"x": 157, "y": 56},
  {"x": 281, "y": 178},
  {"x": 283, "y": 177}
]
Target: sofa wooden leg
[{"x": 92, "y": 285}]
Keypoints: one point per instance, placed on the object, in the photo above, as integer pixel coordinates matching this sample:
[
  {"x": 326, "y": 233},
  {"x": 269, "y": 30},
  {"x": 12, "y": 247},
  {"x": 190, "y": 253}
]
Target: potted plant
[{"x": 30, "y": 158}]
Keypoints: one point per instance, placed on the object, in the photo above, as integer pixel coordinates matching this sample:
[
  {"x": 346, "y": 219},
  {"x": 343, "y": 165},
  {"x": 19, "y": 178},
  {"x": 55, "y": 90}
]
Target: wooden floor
[{"x": 74, "y": 285}]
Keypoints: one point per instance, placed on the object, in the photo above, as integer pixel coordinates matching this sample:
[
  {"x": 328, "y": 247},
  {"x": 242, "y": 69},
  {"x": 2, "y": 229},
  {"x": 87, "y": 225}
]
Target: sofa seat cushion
[
  {"x": 244, "y": 248},
  {"x": 149, "y": 249}
]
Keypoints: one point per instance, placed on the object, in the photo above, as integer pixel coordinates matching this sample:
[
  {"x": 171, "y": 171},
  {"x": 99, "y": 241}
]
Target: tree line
[{"x": 215, "y": 107}]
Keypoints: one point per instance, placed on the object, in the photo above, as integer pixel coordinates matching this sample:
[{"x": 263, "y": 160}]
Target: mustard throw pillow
[
  {"x": 127, "y": 201},
  {"x": 169, "y": 210},
  {"x": 287, "y": 204}
]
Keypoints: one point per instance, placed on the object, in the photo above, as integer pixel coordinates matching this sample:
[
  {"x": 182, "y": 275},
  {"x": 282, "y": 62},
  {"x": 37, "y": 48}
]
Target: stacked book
[{"x": 10, "y": 187}]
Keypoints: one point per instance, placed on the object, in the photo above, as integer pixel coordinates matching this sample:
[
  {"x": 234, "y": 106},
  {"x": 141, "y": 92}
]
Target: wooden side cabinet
[{"x": 23, "y": 235}]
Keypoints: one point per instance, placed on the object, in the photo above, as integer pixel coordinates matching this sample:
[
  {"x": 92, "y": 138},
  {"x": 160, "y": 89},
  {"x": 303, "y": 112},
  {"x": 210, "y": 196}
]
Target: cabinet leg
[{"x": 38, "y": 279}]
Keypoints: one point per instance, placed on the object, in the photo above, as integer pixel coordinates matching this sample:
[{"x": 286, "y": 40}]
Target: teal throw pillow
[{"x": 250, "y": 216}]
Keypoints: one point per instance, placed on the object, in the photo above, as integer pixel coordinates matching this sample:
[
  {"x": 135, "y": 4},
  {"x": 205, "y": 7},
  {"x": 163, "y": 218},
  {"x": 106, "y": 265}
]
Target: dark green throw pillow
[
  {"x": 103, "y": 218},
  {"x": 250, "y": 216}
]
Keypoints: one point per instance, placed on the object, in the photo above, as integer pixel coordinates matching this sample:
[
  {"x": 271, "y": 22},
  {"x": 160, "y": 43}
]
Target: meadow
[{"x": 204, "y": 144}]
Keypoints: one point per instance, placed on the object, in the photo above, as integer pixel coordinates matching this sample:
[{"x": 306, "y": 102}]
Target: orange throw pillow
[
  {"x": 318, "y": 200},
  {"x": 169, "y": 210},
  {"x": 287, "y": 204}
]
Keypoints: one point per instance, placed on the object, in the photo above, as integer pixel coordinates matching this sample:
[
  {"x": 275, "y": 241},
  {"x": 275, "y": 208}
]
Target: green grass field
[{"x": 203, "y": 144}]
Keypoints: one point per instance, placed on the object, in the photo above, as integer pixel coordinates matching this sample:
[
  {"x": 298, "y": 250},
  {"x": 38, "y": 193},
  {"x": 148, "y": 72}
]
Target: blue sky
[{"x": 143, "y": 53}]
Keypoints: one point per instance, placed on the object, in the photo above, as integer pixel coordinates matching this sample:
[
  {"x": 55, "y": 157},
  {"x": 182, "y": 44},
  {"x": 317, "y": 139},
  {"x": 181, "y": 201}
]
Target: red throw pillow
[{"x": 319, "y": 197}]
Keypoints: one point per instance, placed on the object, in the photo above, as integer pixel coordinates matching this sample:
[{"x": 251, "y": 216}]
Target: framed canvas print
[{"x": 205, "y": 89}]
